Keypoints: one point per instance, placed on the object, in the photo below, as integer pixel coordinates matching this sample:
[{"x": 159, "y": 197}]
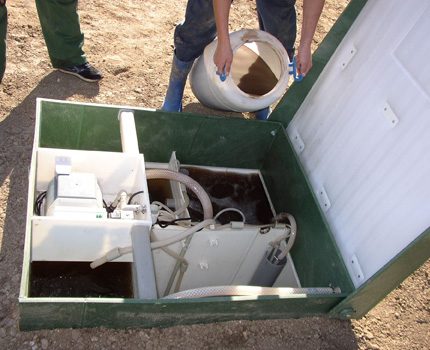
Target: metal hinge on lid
[
  {"x": 347, "y": 55},
  {"x": 390, "y": 115},
  {"x": 297, "y": 141},
  {"x": 323, "y": 199},
  {"x": 356, "y": 268}
]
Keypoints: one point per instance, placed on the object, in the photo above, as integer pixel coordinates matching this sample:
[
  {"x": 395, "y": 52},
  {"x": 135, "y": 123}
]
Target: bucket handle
[
  {"x": 293, "y": 71},
  {"x": 222, "y": 76}
]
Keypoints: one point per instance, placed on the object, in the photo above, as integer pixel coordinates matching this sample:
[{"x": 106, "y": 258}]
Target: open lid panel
[{"x": 362, "y": 135}]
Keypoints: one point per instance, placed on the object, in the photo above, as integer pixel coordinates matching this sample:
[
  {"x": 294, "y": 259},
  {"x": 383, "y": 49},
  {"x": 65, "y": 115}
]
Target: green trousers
[{"x": 61, "y": 29}]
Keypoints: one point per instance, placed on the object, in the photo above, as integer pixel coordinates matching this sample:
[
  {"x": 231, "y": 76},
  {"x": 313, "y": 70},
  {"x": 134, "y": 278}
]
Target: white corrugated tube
[
  {"x": 251, "y": 291},
  {"x": 188, "y": 182}
]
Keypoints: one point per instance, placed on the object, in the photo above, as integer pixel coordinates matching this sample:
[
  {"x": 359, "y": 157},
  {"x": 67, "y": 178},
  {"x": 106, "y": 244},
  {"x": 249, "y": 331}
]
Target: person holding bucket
[
  {"x": 61, "y": 29},
  {"x": 204, "y": 19}
]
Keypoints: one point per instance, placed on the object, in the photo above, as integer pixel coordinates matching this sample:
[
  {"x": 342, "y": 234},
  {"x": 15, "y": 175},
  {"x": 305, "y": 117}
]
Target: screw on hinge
[
  {"x": 347, "y": 313},
  {"x": 203, "y": 265}
]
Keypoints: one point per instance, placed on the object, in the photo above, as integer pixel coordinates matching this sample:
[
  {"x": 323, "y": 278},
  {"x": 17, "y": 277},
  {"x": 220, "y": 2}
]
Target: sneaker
[{"x": 83, "y": 71}]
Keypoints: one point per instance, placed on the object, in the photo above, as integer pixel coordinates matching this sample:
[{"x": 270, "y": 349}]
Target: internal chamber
[
  {"x": 228, "y": 252},
  {"x": 109, "y": 224}
]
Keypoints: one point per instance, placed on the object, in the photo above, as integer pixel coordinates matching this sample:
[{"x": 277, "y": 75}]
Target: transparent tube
[{"x": 252, "y": 291}]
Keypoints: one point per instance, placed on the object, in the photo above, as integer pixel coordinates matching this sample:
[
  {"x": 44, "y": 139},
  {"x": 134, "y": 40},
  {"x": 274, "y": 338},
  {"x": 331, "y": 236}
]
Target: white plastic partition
[
  {"x": 363, "y": 135},
  {"x": 59, "y": 239}
]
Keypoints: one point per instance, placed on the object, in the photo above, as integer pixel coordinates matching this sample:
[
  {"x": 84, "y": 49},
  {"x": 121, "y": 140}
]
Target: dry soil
[{"x": 131, "y": 42}]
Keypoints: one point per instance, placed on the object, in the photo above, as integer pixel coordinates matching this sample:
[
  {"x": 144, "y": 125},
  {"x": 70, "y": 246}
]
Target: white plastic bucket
[{"x": 245, "y": 89}]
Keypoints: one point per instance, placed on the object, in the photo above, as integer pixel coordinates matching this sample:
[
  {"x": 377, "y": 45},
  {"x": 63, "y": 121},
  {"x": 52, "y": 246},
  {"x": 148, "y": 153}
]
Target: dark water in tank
[
  {"x": 229, "y": 189},
  {"x": 77, "y": 279}
]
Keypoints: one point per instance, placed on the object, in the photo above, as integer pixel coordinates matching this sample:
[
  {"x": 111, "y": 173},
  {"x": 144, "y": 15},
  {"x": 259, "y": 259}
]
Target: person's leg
[
  {"x": 196, "y": 31},
  {"x": 62, "y": 32},
  {"x": 190, "y": 39},
  {"x": 64, "y": 40},
  {"x": 3, "y": 30},
  {"x": 263, "y": 114},
  {"x": 277, "y": 17}
]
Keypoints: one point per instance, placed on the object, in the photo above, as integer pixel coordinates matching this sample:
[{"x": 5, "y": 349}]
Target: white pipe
[
  {"x": 188, "y": 182},
  {"x": 145, "y": 286},
  {"x": 230, "y": 209},
  {"x": 252, "y": 291},
  {"x": 128, "y": 132},
  {"x": 111, "y": 255}
]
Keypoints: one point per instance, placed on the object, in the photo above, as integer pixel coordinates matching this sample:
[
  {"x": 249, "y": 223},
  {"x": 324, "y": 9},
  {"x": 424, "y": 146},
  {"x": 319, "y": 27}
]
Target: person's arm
[
  {"x": 311, "y": 14},
  {"x": 223, "y": 54}
]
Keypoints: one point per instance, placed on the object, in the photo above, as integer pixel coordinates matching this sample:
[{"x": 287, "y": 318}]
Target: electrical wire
[
  {"x": 164, "y": 224},
  {"x": 109, "y": 208},
  {"x": 134, "y": 195},
  {"x": 170, "y": 215},
  {"x": 227, "y": 210},
  {"x": 182, "y": 235},
  {"x": 111, "y": 255},
  {"x": 174, "y": 214},
  {"x": 39, "y": 201}
]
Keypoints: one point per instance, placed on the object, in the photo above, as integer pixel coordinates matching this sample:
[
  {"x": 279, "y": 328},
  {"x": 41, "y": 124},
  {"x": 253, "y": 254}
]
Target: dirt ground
[{"x": 131, "y": 42}]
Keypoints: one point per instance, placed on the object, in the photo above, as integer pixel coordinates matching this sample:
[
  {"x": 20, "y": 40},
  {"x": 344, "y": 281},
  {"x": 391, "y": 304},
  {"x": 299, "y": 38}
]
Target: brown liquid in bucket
[{"x": 251, "y": 74}]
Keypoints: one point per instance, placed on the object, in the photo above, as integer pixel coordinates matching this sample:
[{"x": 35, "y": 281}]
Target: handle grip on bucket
[
  {"x": 222, "y": 76},
  {"x": 293, "y": 71}
]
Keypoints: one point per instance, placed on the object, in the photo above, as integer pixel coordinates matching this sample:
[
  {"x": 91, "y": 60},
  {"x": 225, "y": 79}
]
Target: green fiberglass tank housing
[{"x": 344, "y": 152}]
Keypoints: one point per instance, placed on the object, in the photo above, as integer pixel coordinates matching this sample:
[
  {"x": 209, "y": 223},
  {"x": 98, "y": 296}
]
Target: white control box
[{"x": 75, "y": 195}]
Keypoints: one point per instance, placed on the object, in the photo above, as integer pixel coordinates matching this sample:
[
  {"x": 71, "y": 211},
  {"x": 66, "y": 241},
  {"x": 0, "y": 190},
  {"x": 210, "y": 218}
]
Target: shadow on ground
[
  {"x": 198, "y": 108},
  {"x": 16, "y": 142}
]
